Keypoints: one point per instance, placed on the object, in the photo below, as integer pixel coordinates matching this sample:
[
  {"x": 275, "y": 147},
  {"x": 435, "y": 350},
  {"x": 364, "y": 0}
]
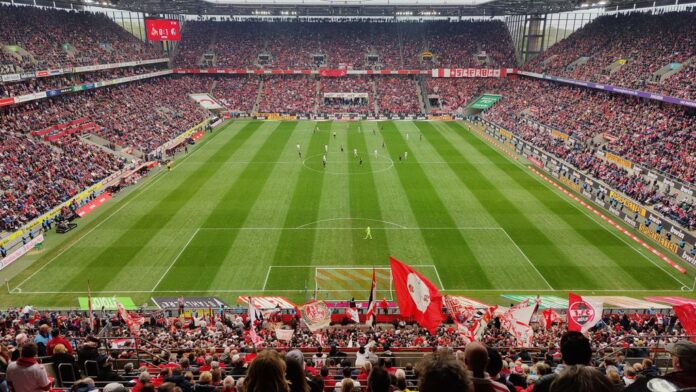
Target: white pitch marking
[
  {"x": 527, "y": 258},
  {"x": 141, "y": 191},
  {"x": 175, "y": 259}
]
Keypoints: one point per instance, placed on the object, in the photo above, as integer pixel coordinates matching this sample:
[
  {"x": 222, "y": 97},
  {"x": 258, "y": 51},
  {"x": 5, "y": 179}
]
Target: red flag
[
  {"x": 583, "y": 313},
  {"x": 686, "y": 313},
  {"x": 372, "y": 303},
  {"x": 549, "y": 317},
  {"x": 417, "y": 296}
]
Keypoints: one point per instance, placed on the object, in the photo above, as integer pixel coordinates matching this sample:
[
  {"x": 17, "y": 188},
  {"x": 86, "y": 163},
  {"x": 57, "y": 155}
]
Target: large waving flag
[
  {"x": 549, "y": 317},
  {"x": 517, "y": 320},
  {"x": 253, "y": 317},
  {"x": 583, "y": 313},
  {"x": 371, "y": 318},
  {"x": 92, "y": 323},
  {"x": 417, "y": 296},
  {"x": 686, "y": 313}
]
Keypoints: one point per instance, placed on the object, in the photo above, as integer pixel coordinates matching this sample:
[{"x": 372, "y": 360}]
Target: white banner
[
  {"x": 21, "y": 251},
  {"x": 346, "y": 95}
]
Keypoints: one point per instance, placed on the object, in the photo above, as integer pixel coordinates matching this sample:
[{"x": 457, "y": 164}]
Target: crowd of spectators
[
  {"x": 358, "y": 84},
  {"x": 75, "y": 39},
  {"x": 215, "y": 353},
  {"x": 397, "y": 95},
  {"x": 37, "y": 176},
  {"x": 36, "y": 85},
  {"x": 645, "y": 41},
  {"x": 663, "y": 141},
  {"x": 360, "y": 45},
  {"x": 289, "y": 95},
  {"x": 237, "y": 93}
]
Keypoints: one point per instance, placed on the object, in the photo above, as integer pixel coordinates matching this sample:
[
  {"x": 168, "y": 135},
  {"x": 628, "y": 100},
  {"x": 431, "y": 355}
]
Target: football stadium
[{"x": 256, "y": 195}]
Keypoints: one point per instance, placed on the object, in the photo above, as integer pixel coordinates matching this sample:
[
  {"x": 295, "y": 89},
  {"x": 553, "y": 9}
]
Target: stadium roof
[{"x": 354, "y": 8}]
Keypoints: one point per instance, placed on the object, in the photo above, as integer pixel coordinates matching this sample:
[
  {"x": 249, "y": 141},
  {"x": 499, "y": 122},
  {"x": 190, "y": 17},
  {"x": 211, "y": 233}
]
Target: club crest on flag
[
  {"x": 420, "y": 293},
  {"x": 581, "y": 312}
]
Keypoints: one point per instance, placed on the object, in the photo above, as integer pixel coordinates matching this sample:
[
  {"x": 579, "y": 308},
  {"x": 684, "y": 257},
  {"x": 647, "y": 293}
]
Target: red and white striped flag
[{"x": 372, "y": 303}]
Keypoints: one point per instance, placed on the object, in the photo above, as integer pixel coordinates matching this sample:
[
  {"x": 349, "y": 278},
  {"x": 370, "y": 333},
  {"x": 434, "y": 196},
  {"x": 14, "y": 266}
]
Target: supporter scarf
[{"x": 26, "y": 362}]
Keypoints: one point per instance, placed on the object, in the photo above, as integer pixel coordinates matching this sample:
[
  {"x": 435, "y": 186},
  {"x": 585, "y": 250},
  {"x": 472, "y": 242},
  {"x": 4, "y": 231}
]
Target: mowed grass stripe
[
  {"x": 619, "y": 260},
  {"x": 448, "y": 249},
  {"x": 395, "y": 209},
  {"x": 115, "y": 258},
  {"x": 365, "y": 204},
  {"x": 231, "y": 211},
  {"x": 253, "y": 250},
  {"x": 296, "y": 246},
  {"x": 627, "y": 263},
  {"x": 75, "y": 245}
]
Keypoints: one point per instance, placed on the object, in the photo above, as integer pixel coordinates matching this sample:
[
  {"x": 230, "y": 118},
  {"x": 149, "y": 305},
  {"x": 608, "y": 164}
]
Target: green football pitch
[{"x": 243, "y": 213}]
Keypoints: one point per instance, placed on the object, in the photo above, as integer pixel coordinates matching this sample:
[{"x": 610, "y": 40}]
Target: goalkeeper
[{"x": 368, "y": 233}]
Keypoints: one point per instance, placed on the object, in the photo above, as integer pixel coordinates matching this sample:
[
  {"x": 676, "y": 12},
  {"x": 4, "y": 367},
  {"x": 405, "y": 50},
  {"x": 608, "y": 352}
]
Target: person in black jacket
[
  {"x": 89, "y": 351},
  {"x": 575, "y": 350},
  {"x": 60, "y": 355},
  {"x": 106, "y": 371},
  {"x": 179, "y": 380}
]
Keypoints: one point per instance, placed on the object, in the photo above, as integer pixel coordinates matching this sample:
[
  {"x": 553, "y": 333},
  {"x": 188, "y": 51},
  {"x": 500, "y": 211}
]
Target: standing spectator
[{"x": 26, "y": 374}]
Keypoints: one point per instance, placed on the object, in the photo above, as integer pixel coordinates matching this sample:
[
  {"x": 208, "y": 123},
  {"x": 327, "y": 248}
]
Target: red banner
[
  {"x": 162, "y": 29},
  {"x": 92, "y": 205},
  {"x": 333, "y": 73},
  {"x": 6, "y": 101}
]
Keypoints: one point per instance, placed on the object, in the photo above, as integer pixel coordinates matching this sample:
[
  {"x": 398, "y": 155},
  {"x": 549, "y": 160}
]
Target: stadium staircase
[
  {"x": 375, "y": 96},
  {"x": 580, "y": 61},
  {"x": 259, "y": 95},
  {"x": 669, "y": 70},
  {"x": 317, "y": 94},
  {"x": 424, "y": 103}
]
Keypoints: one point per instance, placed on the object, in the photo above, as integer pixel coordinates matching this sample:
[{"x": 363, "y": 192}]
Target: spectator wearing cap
[
  {"x": 26, "y": 374},
  {"x": 684, "y": 374}
]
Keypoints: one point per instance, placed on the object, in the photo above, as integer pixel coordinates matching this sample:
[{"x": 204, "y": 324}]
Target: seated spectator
[{"x": 476, "y": 360}]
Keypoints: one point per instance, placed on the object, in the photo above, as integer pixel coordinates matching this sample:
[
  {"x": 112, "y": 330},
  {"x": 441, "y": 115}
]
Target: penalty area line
[{"x": 175, "y": 260}]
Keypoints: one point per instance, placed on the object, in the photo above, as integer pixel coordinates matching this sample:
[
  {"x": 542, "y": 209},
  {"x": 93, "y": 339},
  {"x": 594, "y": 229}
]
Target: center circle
[{"x": 345, "y": 163}]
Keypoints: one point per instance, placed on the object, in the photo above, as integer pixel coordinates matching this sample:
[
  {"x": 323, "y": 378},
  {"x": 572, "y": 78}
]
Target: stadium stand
[
  {"x": 12, "y": 89},
  {"x": 662, "y": 141},
  {"x": 77, "y": 38},
  {"x": 626, "y": 50},
  {"x": 215, "y": 353},
  {"x": 360, "y": 45}
]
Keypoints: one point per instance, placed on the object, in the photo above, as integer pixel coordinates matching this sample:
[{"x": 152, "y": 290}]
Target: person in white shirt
[
  {"x": 26, "y": 374},
  {"x": 347, "y": 372}
]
